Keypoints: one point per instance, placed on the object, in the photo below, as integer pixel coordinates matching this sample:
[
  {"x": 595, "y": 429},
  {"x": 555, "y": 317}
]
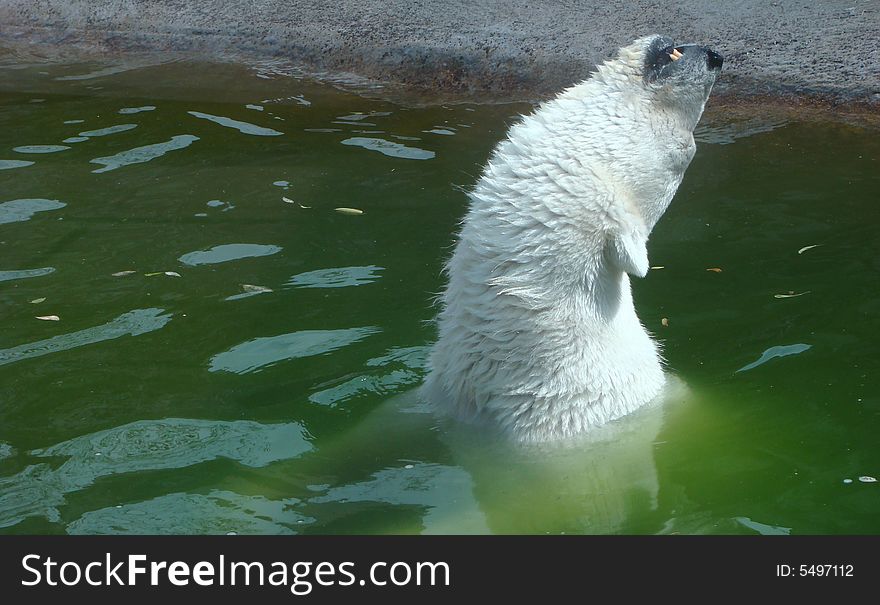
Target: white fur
[{"x": 538, "y": 334}]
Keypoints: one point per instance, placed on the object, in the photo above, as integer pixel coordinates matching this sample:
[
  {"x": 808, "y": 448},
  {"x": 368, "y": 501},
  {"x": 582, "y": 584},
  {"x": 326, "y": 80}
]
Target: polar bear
[{"x": 538, "y": 335}]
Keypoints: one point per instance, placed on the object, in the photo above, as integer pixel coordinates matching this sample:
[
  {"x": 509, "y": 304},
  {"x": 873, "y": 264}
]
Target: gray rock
[{"x": 512, "y": 49}]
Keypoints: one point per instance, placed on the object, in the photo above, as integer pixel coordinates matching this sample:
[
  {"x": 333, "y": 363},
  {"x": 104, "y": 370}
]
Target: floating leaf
[
  {"x": 664, "y": 322},
  {"x": 790, "y": 294},
  {"x": 123, "y": 273},
  {"x": 49, "y": 318},
  {"x": 805, "y": 248},
  {"x": 290, "y": 201},
  {"x": 867, "y": 479},
  {"x": 351, "y": 211},
  {"x": 714, "y": 269},
  {"x": 37, "y": 301},
  {"x": 168, "y": 273}
]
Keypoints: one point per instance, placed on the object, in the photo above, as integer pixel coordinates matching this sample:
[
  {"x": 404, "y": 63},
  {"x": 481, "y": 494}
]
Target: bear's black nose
[{"x": 713, "y": 59}]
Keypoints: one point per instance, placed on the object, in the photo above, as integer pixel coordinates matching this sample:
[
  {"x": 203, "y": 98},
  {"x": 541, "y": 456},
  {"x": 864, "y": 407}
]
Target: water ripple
[
  {"x": 139, "y": 155},
  {"x": 389, "y": 148},
  {"x": 40, "y": 148},
  {"x": 253, "y": 355},
  {"x": 25, "y": 273},
  {"x": 8, "y": 164},
  {"x": 23, "y": 209},
  {"x": 780, "y": 351},
  {"x": 109, "y": 130},
  {"x": 145, "y": 445},
  {"x": 386, "y": 384},
  {"x": 445, "y": 492},
  {"x": 726, "y": 134},
  {"x": 338, "y": 277},
  {"x": 227, "y": 252},
  {"x": 176, "y": 443},
  {"x": 242, "y": 127},
  {"x": 133, "y": 323},
  {"x": 219, "y": 512},
  {"x": 131, "y": 110},
  {"x": 99, "y": 73}
]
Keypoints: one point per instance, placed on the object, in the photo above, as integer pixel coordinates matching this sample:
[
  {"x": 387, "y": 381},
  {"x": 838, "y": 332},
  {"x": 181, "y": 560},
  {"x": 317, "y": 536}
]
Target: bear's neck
[{"x": 546, "y": 352}]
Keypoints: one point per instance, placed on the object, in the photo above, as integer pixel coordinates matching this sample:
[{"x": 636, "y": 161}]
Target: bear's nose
[{"x": 713, "y": 59}]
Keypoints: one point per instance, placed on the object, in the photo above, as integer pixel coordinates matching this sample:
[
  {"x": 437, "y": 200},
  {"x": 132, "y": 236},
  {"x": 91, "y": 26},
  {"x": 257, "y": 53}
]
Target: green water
[{"x": 239, "y": 378}]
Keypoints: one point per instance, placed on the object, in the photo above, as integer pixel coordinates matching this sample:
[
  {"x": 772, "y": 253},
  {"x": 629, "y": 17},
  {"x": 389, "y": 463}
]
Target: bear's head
[
  {"x": 677, "y": 76},
  {"x": 652, "y": 94}
]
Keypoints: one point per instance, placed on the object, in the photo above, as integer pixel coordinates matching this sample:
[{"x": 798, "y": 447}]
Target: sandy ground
[{"x": 798, "y": 52}]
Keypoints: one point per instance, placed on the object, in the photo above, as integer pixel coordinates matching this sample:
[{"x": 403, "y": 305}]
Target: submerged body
[{"x": 538, "y": 334}]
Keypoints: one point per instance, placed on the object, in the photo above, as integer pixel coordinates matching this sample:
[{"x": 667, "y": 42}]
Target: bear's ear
[{"x": 628, "y": 251}]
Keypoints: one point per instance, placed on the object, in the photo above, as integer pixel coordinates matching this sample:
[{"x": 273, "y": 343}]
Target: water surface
[{"x": 227, "y": 343}]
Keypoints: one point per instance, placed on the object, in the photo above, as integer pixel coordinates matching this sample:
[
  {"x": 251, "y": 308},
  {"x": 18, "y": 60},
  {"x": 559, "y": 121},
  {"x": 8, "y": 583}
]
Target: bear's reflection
[{"x": 603, "y": 483}]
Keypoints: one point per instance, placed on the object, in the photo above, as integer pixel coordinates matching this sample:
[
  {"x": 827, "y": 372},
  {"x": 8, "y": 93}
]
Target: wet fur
[{"x": 538, "y": 334}]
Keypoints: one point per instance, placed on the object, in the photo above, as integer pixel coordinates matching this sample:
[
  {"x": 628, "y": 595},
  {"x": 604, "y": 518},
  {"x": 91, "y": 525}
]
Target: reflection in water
[
  {"x": 227, "y": 252},
  {"x": 261, "y": 352},
  {"x": 444, "y": 493},
  {"x": 599, "y": 484},
  {"x": 603, "y": 483},
  {"x": 25, "y": 273},
  {"x": 725, "y": 134},
  {"x": 340, "y": 277},
  {"x": 23, "y": 209},
  {"x": 389, "y": 148},
  {"x": 139, "y": 155},
  {"x": 133, "y": 323},
  {"x": 218, "y": 512},
  {"x": 242, "y": 127},
  {"x": 140, "y": 446}
]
